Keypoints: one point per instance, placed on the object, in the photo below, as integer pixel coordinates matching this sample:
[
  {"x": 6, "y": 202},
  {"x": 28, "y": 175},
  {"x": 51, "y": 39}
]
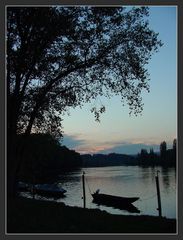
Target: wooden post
[
  {"x": 158, "y": 196},
  {"x": 84, "y": 196},
  {"x": 33, "y": 193},
  {"x": 33, "y": 186}
]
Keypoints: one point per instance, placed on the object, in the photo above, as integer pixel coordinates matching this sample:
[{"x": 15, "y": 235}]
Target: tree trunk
[
  {"x": 11, "y": 165},
  {"x": 12, "y": 145},
  {"x": 32, "y": 117}
]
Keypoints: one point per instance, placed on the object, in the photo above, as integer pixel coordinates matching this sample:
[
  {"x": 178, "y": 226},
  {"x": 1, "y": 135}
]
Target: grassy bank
[{"x": 31, "y": 216}]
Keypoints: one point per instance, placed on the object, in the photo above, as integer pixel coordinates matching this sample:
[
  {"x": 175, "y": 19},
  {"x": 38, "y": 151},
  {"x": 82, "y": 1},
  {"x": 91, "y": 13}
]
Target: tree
[
  {"x": 163, "y": 148},
  {"x": 62, "y": 57},
  {"x": 143, "y": 156},
  {"x": 151, "y": 153},
  {"x": 174, "y": 145},
  {"x": 71, "y": 56},
  {"x": 174, "y": 149},
  {"x": 44, "y": 158}
]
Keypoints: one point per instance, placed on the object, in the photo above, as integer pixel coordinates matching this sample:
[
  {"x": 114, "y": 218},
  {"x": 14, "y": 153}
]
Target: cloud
[
  {"x": 91, "y": 149},
  {"x": 73, "y": 141},
  {"x": 130, "y": 148},
  {"x": 84, "y": 146}
]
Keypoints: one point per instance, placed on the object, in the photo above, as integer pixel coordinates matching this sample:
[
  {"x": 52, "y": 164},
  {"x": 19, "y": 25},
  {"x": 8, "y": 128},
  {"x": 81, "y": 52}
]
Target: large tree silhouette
[{"x": 61, "y": 57}]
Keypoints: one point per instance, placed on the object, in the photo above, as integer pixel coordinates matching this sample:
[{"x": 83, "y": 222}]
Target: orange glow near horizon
[{"x": 93, "y": 147}]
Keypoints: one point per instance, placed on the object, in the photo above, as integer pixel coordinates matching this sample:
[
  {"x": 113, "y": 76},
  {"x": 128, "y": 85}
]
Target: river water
[{"x": 126, "y": 181}]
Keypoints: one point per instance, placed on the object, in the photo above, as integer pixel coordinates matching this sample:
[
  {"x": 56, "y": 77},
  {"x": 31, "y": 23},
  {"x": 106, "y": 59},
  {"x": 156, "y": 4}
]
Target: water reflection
[
  {"x": 125, "y": 181},
  {"x": 166, "y": 177},
  {"x": 130, "y": 208}
]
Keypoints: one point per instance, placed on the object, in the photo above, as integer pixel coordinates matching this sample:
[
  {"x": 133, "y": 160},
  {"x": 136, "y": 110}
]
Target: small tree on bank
[
  {"x": 174, "y": 145},
  {"x": 163, "y": 149},
  {"x": 175, "y": 149}
]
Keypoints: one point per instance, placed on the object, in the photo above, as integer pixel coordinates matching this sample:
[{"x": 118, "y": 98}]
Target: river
[{"x": 126, "y": 181}]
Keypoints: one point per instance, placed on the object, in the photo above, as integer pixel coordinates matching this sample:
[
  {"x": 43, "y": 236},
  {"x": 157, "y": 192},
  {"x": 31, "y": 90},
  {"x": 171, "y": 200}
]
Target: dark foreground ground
[{"x": 31, "y": 216}]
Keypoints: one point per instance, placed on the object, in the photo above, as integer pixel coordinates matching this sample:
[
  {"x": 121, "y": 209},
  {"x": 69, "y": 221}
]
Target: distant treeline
[
  {"x": 42, "y": 158},
  {"x": 166, "y": 157},
  {"x": 112, "y": 159}
]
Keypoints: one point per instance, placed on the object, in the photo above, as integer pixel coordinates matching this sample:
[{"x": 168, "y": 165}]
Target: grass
[{"x": 33, "y": 216}]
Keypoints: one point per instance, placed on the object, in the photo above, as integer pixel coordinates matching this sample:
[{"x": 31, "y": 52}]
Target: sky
[{"x": 118, "y": 131}]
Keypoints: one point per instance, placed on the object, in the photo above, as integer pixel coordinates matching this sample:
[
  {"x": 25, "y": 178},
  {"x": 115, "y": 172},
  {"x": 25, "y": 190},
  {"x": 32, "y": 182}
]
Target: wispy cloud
[
  {"x": 128, "y": 146},
  {"x": 73, "y": 141}
]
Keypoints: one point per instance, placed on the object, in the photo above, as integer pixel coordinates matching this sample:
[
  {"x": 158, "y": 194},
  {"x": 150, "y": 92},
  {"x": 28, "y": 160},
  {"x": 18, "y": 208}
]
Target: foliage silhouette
[
  {"x": 163, "y": 148},
  {"x": 143, "y": 159},
  {"x": 44, "y": 158},
  {"x": 71, "y": 56},
  {"x": 62, "y": 57},
  {"x": 166, "y": 157}
]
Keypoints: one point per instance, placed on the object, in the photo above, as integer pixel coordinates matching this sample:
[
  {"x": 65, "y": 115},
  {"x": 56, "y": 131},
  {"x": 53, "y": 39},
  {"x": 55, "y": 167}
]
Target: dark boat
[
  {"x": 23, "y": 187},
  {"x": 123, "y": 203},
  {"x": 49, "y": 190},
  {"x": 113, "y": 199}
]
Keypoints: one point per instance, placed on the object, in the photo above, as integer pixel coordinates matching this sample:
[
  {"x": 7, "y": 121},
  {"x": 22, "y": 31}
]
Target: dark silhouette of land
[
  {"x": 166, "y": 158},
  {"x": 33, "y": 216},
  {"x": 44, "y": 158}
]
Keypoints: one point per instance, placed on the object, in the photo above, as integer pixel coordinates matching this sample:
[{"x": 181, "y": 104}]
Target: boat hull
[
  {"x": 45, "y": 193},
  {"x": 114, "y": 199},
  {"x": 123, "y": 203}
]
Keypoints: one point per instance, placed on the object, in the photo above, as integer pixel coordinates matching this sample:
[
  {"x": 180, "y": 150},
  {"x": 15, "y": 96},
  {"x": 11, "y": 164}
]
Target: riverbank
[{"x": 33, "y": 216}]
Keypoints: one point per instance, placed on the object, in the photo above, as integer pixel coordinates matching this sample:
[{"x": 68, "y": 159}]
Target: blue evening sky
[{"x": 118, "y": 132}]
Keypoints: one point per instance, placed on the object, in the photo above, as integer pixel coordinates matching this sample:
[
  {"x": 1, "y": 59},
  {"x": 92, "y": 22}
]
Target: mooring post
[
  {"x": 84, "y": 195},
  {"x": 158, "y": 195},
  {"x": 33, "y": 187}
]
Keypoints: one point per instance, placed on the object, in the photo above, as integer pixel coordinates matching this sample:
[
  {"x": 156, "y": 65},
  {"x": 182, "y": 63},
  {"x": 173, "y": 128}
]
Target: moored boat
[
  {"x": 24, "y": 187},
  {"x": 49, "y": 190},
  {"x": 115, "y": 201}
]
